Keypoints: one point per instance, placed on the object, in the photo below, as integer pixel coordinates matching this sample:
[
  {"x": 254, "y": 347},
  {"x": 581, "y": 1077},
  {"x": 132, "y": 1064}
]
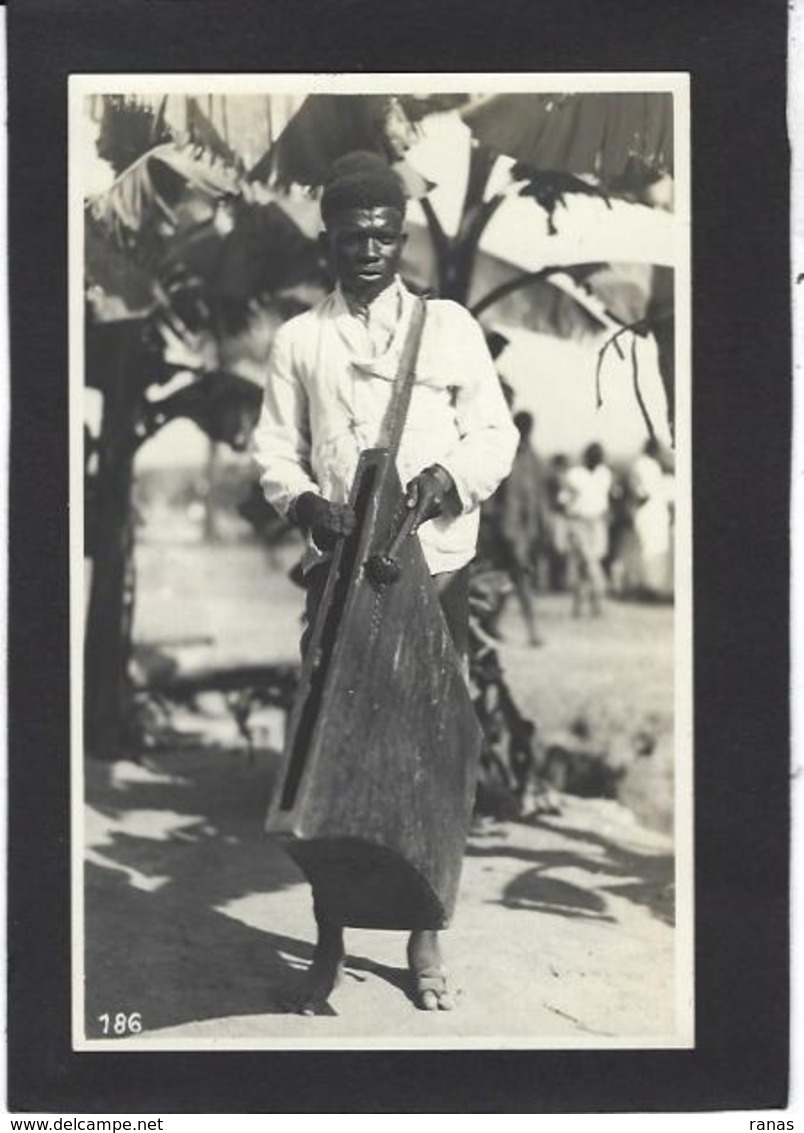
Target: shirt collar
[{"x": 388, "y": 316}]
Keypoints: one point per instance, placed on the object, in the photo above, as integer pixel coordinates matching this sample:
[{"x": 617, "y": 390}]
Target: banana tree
[
  {"x": 187, "y": 277},
  {"x": 542, "y": 151}
]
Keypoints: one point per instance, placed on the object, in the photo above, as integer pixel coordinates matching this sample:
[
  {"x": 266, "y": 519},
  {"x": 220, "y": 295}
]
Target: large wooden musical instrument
[{"x": 377, "y": 782}]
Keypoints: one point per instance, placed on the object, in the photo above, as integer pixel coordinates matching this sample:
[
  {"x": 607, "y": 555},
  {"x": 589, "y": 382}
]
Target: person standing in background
[
  {"x": 521, "y": 527},
  {"x": 588, "y": 485},
  {"x": 650, "y": 501},
  {"x": 556, "y": 518}
]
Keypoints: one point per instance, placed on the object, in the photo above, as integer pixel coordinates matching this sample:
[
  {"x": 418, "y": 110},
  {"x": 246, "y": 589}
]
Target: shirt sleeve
[
  {"x": 482, "y": 457},
  {"x": 281, "y": 441}
]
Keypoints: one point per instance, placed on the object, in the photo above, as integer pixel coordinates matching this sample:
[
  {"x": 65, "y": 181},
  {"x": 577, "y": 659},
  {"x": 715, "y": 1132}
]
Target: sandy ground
[{"x": 565, "y": 928}]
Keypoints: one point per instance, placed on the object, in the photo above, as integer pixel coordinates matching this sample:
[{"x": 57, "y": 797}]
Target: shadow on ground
[
  {"x": 647, "y": 878},
  {"x": 166, "y": 859},
  {"x": 180, "y": 878}
]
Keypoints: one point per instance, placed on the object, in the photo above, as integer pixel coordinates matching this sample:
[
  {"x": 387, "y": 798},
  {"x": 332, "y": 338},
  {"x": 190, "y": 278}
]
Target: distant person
[
  {"x": 650, "y": 501},
  {"x": 588, "y": 485},
  {"x": 557, "y": 539},
  {"x": 622, "y": 557},
  {"x": 521, "y": 527}
]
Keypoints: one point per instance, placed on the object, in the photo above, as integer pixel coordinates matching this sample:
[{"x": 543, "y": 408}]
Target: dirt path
[{"x": 564, "y": 933}]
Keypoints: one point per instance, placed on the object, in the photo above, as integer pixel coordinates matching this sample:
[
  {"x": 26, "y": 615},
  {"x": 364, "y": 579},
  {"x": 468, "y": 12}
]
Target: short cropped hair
[{"x": 361, "y": 180}]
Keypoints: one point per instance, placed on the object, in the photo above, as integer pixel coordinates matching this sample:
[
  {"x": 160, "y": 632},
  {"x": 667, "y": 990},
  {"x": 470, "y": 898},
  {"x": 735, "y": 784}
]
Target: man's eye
[{"x": 359, "y": 241}]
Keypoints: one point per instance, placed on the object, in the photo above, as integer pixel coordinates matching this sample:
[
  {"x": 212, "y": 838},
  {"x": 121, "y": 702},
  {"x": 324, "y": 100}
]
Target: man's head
[
  {"x": 593, "y": 456},
  {"x": 363, "y": 208}
]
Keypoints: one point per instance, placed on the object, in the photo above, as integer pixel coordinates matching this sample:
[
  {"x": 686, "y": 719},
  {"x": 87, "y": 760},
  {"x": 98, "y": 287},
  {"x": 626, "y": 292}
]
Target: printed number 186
[{"x": 120, "y": 1023}]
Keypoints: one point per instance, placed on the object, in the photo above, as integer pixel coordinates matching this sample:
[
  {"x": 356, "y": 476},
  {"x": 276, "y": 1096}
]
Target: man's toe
[
  {"x": 428, "y": 1001},
  {"x": 431, "y": 991}
]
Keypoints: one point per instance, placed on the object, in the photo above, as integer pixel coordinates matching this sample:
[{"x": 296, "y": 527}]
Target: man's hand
[
  {"x": 428, "y": 492},
  {"x": 326, "y": 522}
]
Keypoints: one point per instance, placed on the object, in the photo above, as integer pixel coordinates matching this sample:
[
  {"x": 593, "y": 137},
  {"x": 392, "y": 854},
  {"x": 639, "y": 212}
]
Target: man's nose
[{"x": 371, "y": 248}]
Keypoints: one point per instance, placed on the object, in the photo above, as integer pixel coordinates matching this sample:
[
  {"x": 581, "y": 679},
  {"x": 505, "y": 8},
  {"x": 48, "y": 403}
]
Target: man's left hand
[{"x": 429, "y": 491}]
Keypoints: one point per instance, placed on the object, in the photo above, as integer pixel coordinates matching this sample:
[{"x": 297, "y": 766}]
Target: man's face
[{"x": 365, "y": 247}]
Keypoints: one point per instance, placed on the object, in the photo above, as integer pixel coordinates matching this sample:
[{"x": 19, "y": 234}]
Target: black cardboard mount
[{"x": 736, "y": 55}]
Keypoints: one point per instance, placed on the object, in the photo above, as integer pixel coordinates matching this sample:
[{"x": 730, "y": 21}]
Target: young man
[{"x": 329, "y": 383}]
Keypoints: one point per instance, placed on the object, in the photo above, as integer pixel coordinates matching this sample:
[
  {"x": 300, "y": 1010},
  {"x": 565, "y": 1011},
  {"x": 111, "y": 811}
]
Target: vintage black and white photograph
[{"x": 381, "y": 587}]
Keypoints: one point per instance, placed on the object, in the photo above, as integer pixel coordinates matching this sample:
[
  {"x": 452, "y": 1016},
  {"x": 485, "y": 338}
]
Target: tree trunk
[
  {"x": 660, "y": 317},
  {"x": 476, "y": 214},
  {"x": 210, "y": 494},
  {"x": 107, "y": 688},
  {"x": 455, "y": 258},
  {"x": 664, "y": 331}
]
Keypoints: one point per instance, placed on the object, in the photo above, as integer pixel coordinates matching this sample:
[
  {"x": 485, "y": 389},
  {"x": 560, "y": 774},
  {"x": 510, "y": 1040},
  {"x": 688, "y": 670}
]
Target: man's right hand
[{"x": 326, "y": 522}]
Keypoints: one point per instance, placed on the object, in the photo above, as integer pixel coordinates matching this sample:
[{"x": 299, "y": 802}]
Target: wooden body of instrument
[{"x": 377, "y": 783}]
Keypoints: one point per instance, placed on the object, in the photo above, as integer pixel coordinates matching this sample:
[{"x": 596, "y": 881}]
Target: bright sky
[{"x": 554, "y": 379}]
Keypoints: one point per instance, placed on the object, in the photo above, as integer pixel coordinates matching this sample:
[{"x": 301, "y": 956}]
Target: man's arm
[
  {"x": 482, "y": 457},
  {"x": 282, "y": 442},
  {"x": 282, "y": 449}
]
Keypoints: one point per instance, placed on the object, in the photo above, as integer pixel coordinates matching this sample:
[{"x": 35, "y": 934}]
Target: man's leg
[
  {"x": 326, "y": 970},
  {"x": 578, "y": 582},
  {"x": 430, "y": 987},
  {"x": 453, "y": 592},
  {"x": 523, "y": 592},
  {"x": 520, "y": 580},
  {"x": 597, "y": 588},
  {"x": 597, "y": 577}
]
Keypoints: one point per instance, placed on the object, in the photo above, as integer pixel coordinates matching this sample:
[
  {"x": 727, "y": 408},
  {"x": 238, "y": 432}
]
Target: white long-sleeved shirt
[{"x": 329, "y": 382}]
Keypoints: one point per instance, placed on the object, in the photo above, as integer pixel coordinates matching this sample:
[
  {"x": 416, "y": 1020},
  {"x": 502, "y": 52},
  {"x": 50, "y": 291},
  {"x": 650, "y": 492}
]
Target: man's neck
[{"x": 360, "y": 305}]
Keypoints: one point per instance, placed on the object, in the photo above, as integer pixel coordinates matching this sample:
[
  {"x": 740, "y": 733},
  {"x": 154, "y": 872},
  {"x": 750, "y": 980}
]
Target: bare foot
[
  {"x": 322, "y": 977},
  {"x": 430, "y": 988}
]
